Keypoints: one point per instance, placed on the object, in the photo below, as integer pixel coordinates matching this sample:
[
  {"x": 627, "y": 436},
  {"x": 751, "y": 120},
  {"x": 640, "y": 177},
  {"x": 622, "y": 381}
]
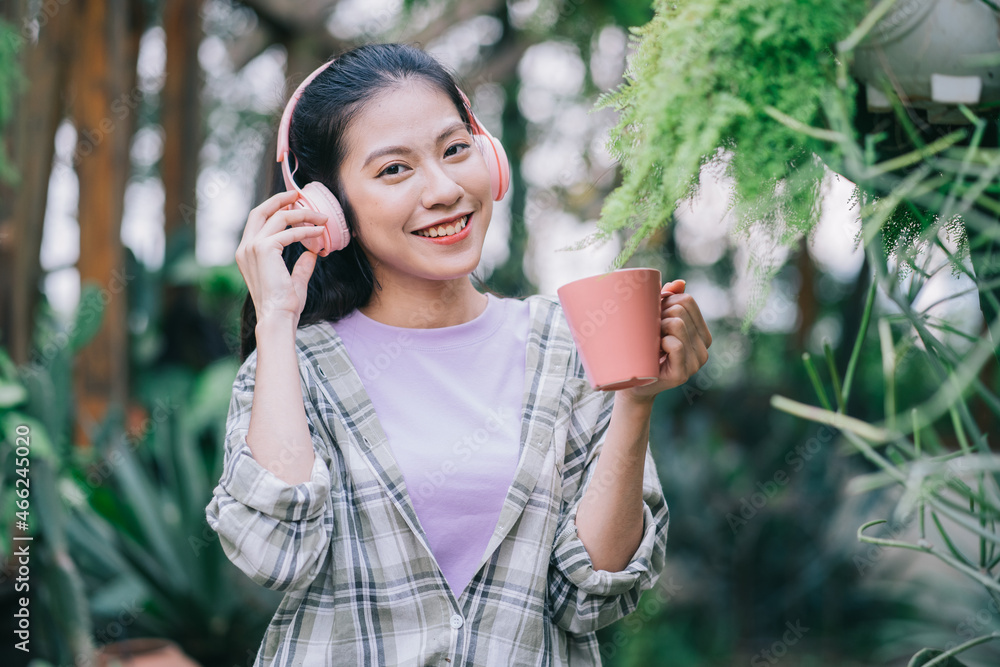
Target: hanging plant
[{"x": 696, "y": 92}]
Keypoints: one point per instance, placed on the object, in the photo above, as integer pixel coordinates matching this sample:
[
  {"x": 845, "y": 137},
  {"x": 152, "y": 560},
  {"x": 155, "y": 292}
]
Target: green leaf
[
  {"x": 143, "y": 496},
  {"x": 7, "y": 367},
  {"x": 39, "y": 442},
  {"x": 12, "y": 393},
  {"x": 210, "y": 394},
  {"x": 89, "y": 315}
]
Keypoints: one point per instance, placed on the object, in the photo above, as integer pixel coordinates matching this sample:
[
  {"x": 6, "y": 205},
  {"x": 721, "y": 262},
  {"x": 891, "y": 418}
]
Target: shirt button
[{"x": 456, "y": 621}]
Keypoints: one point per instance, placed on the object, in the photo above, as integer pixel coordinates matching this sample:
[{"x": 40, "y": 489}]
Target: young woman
[{"x": 422, "y": 467}]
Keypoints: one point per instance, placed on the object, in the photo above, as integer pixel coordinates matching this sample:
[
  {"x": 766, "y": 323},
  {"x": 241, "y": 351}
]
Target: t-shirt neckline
[{"x": 475, "y": 330}]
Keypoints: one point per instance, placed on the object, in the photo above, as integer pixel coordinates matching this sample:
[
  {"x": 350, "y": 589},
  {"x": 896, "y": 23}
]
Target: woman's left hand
[{"x": 685, "y": 341}]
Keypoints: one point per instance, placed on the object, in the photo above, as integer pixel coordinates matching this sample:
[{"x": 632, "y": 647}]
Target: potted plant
[
  {"x": 125, "y": 555},
  {"x": 763, "y": 92},
  {"x": 935, "y": 55}
]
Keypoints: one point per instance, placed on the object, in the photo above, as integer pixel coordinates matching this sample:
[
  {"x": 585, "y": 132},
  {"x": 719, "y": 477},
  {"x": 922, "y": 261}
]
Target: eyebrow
[{"x": 403, "y": 149}]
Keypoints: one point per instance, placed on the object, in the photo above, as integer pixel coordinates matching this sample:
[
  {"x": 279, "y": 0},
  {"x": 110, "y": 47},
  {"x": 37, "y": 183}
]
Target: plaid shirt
[{"x": 361, "y": 585}]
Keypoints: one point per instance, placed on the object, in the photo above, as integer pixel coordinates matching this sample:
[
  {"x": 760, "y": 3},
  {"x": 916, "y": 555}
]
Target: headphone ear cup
[
  {"x": 496, "y": 161},
  {"x": 336, "y": 235}
]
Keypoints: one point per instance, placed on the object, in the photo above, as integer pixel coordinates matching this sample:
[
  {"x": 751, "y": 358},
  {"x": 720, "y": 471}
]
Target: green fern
[{"x": 696, "y": 88}]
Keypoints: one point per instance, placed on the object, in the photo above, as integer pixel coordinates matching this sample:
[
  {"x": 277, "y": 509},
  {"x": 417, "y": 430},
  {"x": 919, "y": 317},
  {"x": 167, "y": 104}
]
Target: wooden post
[
  {"x": 102, "y": 109},
  {"x": 30, "y": 142}
]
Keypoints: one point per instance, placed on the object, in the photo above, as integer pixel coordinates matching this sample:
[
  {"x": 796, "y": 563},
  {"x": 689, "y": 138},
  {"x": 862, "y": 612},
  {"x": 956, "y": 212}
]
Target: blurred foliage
[
  {"x": 930, "y": 395},
  {"x": 149, "y": 544},
  {"x": 11, "y": 85},
  {"x": 698, "y": 86},
  {"x": 119, "y": 529},
  {"x": 35, "y": 426},
  {"x": 764, "y": 531},
  {"x": 930, "y": 444},
  {"x": 743, "y": 89}
]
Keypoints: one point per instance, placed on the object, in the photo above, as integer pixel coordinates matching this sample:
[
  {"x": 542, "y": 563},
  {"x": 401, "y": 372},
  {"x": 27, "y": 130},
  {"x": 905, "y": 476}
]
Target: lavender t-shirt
[{"x": 449, "y": 400}]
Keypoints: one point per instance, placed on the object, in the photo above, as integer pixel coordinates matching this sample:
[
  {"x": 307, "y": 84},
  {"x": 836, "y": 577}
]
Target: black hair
[{"x": 343, "y": 280}]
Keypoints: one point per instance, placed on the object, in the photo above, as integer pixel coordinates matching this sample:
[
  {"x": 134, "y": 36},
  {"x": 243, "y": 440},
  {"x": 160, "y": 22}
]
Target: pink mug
[{"x": 615, "y": 322}]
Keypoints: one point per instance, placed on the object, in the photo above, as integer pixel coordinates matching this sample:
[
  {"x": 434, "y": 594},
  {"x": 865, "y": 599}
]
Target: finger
[
  {"x": 674, "y": 326},
  {"x": 697, "y": 351},
  {"x": 261, "y": 213},
  {"x": 293, "y": 234},
  {"x": 673, "y": 287},
  {"x": 673, "y": 350},
  {"x": 303, "y": 268},
  {"x": 679, "y": 359},
  {"x": 675, "y": 302},
  {"x": 677, "y": 311},
  {"x": 298, "y": 217}
]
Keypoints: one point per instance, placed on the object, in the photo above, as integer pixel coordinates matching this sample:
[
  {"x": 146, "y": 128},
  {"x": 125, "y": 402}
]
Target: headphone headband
[{"x": 286, "y": 116}]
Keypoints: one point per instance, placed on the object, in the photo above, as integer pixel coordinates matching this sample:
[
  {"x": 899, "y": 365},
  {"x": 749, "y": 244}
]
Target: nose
[{"x": 440, "y": 189}]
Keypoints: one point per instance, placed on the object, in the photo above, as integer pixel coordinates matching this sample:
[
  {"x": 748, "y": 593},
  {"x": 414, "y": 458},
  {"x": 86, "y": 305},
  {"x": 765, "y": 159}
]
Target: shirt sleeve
[
  {"x": 584, "y": 599},
  {"x": 277, "y": 533}
]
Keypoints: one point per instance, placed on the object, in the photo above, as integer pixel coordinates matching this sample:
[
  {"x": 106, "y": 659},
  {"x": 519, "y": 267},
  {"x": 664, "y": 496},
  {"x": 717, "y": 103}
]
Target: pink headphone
[{"x": 317, "y": 197}]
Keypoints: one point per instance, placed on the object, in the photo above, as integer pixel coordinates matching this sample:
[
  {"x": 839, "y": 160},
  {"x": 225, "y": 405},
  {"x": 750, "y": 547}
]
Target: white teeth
[{"x": 446, "y": 230}]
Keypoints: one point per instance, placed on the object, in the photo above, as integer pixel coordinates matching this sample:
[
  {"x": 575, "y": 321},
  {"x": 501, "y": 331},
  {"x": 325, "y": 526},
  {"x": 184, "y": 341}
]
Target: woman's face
[{"x": 410, "y": 165}]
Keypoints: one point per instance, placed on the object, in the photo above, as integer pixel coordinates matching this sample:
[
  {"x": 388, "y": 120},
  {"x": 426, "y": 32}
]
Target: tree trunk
[
  {"x": 30, "y": 143},
  {"x": 509, "y": 278},
  {"x": 103, "y": 105},
  {"x": 806, "y": 298},
  {"x": 180, "y": 115},
  {"x": 190, "y": 338}
]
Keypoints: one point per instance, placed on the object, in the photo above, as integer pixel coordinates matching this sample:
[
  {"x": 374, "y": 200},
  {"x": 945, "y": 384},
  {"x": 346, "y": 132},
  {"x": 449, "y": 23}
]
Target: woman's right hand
[{"x": 275, "y": 291}]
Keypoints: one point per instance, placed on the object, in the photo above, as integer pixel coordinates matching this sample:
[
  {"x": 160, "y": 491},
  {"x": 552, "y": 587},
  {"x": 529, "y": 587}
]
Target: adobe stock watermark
[
  {"x": 779, "y": 649},
  {"x": 84, "y": 316},
  {"x": 31, "y": 26},
  {"x": 977, "y": 623},
  {"x": 276, "y": 465},
  {"x": 376, "y": 364},
  {"x": 104, "y": 469},
  {"x": 651, "y": 604},
  {"x": 796, "y": 458},
  {"x": 111, "y": 632},
  {"x": 89, "y": 138},
  {"x": 895, "y": 529},
  {"x": 463, "y": 449},
  {"x": 594, "y": 319},
  {"x": 734, "y": 353},
  {"x": 875, "y": 552},
  {"x": 214, "y": 181}
]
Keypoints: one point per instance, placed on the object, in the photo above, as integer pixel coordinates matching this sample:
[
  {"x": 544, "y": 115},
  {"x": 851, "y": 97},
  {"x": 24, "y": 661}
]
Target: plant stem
[
  {"x": 975, "y": 574},
  {"x": 831, "y": 364},
  {"x": 947, "y": 655},
  {"x": 866, "y": 25},
  {"x": 814, "y": 132},
  {"x": 919, "y": 154},
  {"x": 947, "y": 540},
  {"x": 862, "y": 332},
  {"x": 814, "y": 378},
  {"x": 836, "y": 419}
]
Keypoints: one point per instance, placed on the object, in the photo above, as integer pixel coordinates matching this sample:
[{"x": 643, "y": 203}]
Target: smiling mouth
[{"x": 448, "y": 229}]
